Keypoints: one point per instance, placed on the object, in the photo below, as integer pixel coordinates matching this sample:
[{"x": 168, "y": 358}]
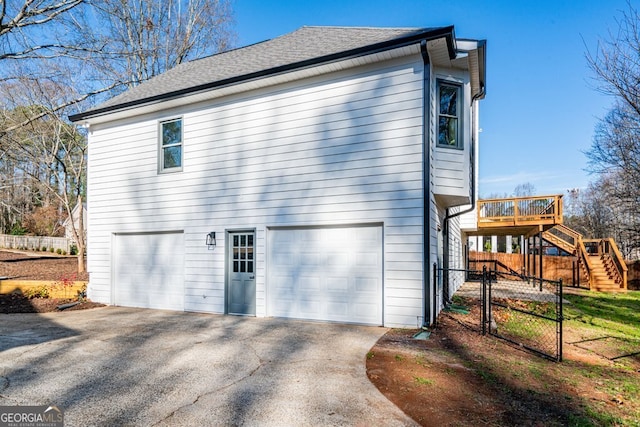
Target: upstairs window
[
  {"x": 449, "y": 115},
  {"x": 171, "y": 145}
]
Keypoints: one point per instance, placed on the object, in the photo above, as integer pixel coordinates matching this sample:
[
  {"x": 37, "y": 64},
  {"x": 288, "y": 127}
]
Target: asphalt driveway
[{"x": 123, "y": 366}]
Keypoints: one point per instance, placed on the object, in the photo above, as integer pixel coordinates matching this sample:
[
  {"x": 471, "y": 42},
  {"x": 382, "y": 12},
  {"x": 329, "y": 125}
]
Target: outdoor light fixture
[{"x": 211, "y": 240}]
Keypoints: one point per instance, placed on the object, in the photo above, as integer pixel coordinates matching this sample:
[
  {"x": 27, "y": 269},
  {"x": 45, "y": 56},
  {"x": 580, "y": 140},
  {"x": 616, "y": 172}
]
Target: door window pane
[{"x": 243, "y": 253}]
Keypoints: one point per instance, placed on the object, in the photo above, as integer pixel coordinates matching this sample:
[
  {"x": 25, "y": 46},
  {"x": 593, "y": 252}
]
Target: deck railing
[{"x": 519, "y": 211}]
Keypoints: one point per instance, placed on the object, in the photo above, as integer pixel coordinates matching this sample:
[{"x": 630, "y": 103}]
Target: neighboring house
[
  {"x": 68, "y": 224},
  {"x": 325, "y": 161}
]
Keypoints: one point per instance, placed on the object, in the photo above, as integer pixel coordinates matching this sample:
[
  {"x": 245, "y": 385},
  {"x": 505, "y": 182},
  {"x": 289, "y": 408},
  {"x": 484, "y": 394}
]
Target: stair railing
[
  {"x": 563, "y": 237},
  {"x": 610, "y": 250},
  {"x": 583, "y": 255}
]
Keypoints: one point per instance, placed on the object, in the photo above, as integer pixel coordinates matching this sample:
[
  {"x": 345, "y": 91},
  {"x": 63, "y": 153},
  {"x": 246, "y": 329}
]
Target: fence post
[
  {"x": 560, "y": 318},
  {"x": 483, "y": 317}
]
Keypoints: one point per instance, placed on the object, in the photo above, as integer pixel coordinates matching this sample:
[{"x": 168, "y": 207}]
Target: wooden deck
[
  {"x": 527, "y": 216},
  {"x": 518, "y": 215}
]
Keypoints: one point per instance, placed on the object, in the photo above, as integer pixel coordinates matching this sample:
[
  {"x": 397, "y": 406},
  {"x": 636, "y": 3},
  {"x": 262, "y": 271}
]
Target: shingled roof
[{"x": 304, "y": 47}]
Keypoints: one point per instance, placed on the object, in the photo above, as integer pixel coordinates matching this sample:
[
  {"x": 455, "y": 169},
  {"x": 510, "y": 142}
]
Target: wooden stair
[
  {"x": 603, "y": 279},
  {"x": 599, "y": 259},
  {"x": 559, "y": 242},
  {"x": 605, "y": 274}
]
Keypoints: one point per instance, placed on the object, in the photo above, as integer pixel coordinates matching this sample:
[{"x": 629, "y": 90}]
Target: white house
[
  {"x": 310, "y": 176},
  {"x": 74, "y": 221}
]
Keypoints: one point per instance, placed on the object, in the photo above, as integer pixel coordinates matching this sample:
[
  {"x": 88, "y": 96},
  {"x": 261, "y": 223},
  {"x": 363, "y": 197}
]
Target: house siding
[
  {"x": 342, "y": 148},
  {"x": 451, "y": 167}
]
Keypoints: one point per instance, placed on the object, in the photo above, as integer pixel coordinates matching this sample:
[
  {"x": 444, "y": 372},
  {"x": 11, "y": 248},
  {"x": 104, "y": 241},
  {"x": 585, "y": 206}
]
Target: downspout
[
  {"x": 449, "y": 216},
  {"x": 426, "y": 196}
]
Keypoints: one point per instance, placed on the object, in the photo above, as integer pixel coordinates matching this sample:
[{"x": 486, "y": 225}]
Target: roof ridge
[{"x": 362, "y": 27}]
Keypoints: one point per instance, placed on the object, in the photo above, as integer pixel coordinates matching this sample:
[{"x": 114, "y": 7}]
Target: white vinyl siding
[
  {"x": 341, "y": 148},
  {"x": 451, "y": 166}
]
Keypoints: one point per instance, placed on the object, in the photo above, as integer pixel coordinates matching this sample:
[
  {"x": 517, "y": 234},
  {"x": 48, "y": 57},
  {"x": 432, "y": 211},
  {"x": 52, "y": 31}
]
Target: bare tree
[
  {"x": 63, "y": 55},
  {"x": 524, "y": 190},
  {"x": 49, "y": 153},
  {"x": 139, "y": 39},
  {"x": 18, "y": 21},
  {"x": 611, "y": 203},
  {"x": 615, "y": 61}
]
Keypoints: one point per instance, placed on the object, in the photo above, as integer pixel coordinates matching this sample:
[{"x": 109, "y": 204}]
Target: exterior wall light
[{"x": 211, "y": 240}]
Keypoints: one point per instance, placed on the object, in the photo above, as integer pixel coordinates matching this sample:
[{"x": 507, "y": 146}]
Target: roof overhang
[
  {"x": 475, "y": 50},
  {"x": 368, "y": 54}
]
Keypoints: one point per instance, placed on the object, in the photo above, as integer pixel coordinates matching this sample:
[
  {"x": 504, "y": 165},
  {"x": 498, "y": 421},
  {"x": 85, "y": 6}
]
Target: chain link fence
[{"x": 525, "y": 311}]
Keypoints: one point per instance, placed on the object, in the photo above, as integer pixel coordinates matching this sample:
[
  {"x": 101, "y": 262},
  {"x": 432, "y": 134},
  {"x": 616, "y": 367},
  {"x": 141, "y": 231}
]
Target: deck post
[
  {"x": 535, "y": 264},
  {"x": 540, "y": 255}
]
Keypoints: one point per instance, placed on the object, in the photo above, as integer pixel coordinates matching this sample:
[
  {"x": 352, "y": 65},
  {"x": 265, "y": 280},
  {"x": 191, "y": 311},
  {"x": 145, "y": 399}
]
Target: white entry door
[
  {"x": 329, "y": 274},
  {"x": 149, "y": 270}
]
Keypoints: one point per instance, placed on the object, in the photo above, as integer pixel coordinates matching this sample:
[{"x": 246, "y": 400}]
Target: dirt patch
[
  {"x": 460, "y": 378},
  {"x": 39, "y": 266}
]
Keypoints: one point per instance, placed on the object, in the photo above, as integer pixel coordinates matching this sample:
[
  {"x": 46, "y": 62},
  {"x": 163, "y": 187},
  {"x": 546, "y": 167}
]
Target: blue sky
[{"x": 541, "y": 107}]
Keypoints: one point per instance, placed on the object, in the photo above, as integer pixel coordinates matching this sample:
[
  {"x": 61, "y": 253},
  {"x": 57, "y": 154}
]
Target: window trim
[
  {"x": 162, "y": 146},
  {"x": 459, "y": 116}
]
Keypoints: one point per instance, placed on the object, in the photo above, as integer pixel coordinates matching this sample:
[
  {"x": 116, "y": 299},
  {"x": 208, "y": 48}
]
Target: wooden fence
[
  {"x": 553, "y": 267},
  {"x": 33, "y": 243}
]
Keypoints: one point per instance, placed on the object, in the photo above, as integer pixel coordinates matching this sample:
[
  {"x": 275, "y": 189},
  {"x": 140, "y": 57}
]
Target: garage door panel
[
  {"x": 366, "y": 285},
  {"x": 338, "y": 284},
  {"x": 149, "y": 270},
  {"x": 333, "y": 274},
  {"x": 338, "y": 309}
]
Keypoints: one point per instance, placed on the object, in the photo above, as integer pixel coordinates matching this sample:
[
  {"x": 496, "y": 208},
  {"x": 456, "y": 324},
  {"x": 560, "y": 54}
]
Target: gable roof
[{"x": 305, "y": 47}]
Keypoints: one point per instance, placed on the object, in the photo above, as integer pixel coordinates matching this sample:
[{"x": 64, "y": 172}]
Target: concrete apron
[{"x": 124, "y": 366}]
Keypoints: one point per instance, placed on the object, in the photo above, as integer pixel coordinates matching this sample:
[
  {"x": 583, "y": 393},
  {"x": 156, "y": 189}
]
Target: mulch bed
[{"x": 39, "y": 266}]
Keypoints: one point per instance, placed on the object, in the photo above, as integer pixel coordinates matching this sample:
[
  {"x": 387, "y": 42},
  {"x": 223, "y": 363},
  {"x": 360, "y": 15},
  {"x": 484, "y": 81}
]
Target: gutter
[
  {"x": 421, "y": 36},
  {"x": 426, "y": 188}
]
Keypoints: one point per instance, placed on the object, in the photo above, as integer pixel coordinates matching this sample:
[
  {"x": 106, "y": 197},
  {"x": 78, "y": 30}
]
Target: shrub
[
  {"x": 82, "y": 293},
  {"x": 73, "y": 250},
  {"x": 64, "y": 252},
  {"x": 59, "y": 251},
  {"x": 65, "y": 283},
  {"x": 37, "y": 292},
  {"x": 18, "y": 230},
  {"x": 51, "y": 250},
  {"x": 44, "y": 249}
]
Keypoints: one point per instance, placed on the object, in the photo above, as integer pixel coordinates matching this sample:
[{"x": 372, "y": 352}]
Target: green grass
[
  {"x": 609, "y": 315},
  {"x": 423, "y": 381},
  {"x": 614, "y": 314}
]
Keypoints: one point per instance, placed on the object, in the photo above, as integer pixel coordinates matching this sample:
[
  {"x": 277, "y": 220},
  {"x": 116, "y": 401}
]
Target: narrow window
[
  {"x": 449, "y": 134},
  {"x": 171, "y": 145}
]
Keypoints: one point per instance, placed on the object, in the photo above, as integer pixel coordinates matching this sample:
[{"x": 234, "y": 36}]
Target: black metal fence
[{"x": 525, "y": 311}]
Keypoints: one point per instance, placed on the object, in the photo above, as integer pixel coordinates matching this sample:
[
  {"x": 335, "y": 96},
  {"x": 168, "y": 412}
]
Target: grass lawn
[
  {"x": 608, "y": 324},
  {"x": 481, "y": 380}
]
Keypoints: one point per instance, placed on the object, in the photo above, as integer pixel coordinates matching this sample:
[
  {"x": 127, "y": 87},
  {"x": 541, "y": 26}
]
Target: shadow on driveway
[{"x": 115, "y": 366}]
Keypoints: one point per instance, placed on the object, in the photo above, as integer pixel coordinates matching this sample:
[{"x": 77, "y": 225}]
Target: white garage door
[
  {"x": 149, "y": 270},
  {"x": 331, "y": 274}
]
